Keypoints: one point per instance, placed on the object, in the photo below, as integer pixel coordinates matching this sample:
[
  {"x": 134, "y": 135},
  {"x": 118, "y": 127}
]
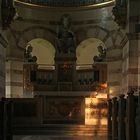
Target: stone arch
[
  {"x": 88, "y": 48},
  {"x": 92, "y": 32},
  {"x": 111, "y": 39},
  {"x": 43, "y": 50},
  {"x": 36, "y": 32}
]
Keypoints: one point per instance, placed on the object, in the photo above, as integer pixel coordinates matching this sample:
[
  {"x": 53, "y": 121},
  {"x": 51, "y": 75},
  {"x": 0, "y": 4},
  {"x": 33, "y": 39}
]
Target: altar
[{"x": 65, "y": 89}]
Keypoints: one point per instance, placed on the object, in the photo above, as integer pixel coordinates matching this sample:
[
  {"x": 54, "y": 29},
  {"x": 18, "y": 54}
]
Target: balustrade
[
  {"x": 121, "y": 117},
  {"x": 114, "y": 119},
  {"x": 109, "y": 120},
  {"x": 132, "y": 102}
]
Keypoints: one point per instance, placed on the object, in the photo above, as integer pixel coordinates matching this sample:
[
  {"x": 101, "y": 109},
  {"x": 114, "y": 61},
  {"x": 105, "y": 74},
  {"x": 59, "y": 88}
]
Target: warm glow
[
  {"x": 95, "y": 100},
  {"x": 104, "y": 121},
  {"x": 104, "y": 85},
  {"x": 95, "y": 111},
  {"x": 101, "y": 95}
]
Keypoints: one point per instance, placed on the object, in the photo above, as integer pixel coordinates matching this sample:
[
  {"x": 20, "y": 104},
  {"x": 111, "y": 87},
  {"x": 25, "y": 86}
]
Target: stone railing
[
  {"x": 63, "y": 3},
  {"x": 121, "y": 117},
  {"x": 37, "y": 78}
]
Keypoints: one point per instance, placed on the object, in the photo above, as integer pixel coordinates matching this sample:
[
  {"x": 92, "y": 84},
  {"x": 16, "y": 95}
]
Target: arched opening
[
  {"x": 87, "y": 49},
  {"x": 43, "y": 50}
]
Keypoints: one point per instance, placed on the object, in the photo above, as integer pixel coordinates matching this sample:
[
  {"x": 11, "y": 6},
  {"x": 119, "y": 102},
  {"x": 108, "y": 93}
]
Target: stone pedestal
[
  {"x": 29, "y": 77},
  {"x": 65, "y": 67}
]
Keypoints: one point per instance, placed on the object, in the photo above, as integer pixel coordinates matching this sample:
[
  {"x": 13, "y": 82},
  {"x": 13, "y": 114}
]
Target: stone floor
[{"x": 36, "y": 137}]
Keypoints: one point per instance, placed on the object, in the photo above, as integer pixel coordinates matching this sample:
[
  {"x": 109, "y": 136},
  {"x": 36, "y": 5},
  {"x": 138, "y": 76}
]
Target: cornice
[
  {"x": 76, "y": 8},
  {"x": 75, "y": 23}
]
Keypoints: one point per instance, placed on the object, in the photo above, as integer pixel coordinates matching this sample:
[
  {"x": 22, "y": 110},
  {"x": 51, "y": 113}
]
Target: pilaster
[
  {"x": 130, "y": 66},
  {"x": 114, "y": 59},
  {"x": 3, "y": 45}
]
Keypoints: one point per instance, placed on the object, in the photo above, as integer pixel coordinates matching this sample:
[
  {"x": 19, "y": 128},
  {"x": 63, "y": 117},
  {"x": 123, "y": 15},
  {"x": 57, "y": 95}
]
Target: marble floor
[{"x": 37, "y": 137}]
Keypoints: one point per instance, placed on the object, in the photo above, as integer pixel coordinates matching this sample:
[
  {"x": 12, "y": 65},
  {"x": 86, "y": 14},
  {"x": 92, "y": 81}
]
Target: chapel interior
[{"x": 69, "y": 69}]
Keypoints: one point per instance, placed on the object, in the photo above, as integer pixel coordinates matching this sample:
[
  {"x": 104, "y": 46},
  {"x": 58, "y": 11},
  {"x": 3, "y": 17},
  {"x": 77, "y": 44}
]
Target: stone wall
[
  {"x": 2, "y": 65},
  {"x": 130, "y": 67},
  {"x": 90, "y": 23},
  {"x": 14, "y": 78}
]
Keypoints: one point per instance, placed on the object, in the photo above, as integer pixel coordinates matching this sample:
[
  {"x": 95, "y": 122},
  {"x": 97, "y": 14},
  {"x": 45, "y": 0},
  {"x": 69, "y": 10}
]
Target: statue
[
  {"x": 101, "y": 56},
  {"x": 28, "y": 54},
  {"x": 65, "y": 37}
]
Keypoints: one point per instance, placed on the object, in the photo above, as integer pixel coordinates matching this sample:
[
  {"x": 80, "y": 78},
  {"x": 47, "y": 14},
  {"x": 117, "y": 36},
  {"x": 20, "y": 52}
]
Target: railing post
[
  {"x": 1, "y": 120},
  {"x": 121, "y": 118},
  {"x": 9, "y": 135},
  {"x": 131, "y": 113},
  {"x": 138, "y": 120},
  {"x": 114, "y": 119},
  {"x": 109, "y": 119},
  {"x": 7, "y": 120}
]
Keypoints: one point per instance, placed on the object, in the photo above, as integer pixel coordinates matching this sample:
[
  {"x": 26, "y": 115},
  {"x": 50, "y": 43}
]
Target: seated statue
[
  {"x": 28, "y": 54},
  {"x": 65, "y": 37},
  {"x": 102, "y": 55}
]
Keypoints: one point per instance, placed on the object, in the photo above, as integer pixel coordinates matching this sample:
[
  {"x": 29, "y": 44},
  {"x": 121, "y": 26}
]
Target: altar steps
[{"x": 61, "y": 130}]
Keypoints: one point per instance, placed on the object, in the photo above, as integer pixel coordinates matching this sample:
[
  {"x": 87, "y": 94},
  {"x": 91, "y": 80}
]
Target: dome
[{"x": 65, "y": 3}]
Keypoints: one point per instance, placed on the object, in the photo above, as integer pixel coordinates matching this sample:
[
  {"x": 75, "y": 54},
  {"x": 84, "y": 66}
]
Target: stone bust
[
  {"x": 65, "y": 37},
  {"x": 28, "y": 54}
]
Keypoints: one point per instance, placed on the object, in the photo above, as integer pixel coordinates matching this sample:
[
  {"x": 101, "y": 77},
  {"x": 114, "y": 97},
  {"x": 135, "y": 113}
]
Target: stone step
[{"x": 67, "y": 130}]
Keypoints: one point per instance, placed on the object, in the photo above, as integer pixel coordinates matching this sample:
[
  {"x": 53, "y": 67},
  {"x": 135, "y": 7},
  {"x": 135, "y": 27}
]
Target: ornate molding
[{"x": 75, "y": 23}]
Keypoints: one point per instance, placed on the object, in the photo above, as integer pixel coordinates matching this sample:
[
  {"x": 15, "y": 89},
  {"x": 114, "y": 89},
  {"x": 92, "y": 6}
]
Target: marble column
[
  {"x": 131, "y": 49},
  {"x": 130, "y": 64},
  {"x": 14, "y": 77},
  {"x": 114, "y": 71}
]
